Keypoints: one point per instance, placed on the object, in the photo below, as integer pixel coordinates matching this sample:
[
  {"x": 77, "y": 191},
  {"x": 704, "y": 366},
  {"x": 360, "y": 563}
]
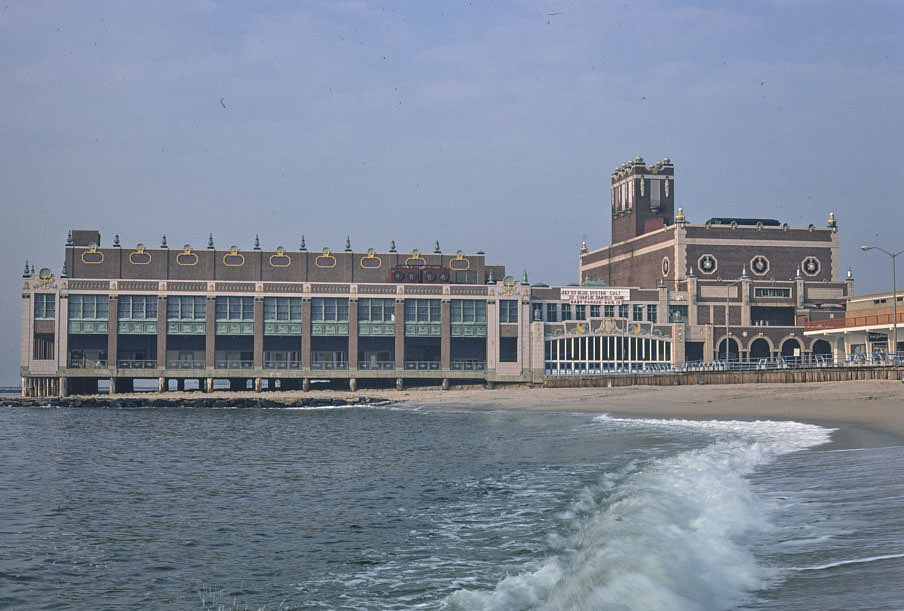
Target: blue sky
[{"x": 484, "y": 125}]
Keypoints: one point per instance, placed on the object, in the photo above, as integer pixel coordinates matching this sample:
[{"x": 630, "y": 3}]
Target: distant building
[{"x": 865, "y": 331}]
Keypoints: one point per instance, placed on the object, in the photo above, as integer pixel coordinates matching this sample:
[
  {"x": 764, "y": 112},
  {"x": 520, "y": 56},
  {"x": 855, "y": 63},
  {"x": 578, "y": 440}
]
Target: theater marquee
[{"x": 595, "y": 296}]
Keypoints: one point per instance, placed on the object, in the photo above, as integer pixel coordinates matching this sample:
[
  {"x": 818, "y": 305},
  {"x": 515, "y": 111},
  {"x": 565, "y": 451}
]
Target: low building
[{"x": 865, "y": 332}]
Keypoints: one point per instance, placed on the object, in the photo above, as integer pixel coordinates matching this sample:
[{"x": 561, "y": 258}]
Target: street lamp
[{"x": 894, "y": 298}]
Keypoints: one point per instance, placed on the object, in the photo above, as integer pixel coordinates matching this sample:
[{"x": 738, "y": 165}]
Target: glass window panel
[
  {"x": 317, "y": 308},
  {"x": 295, "y": 308},
  {"x": 594, "y": 311},
  {"x": 552, "y": 312},
  {"x": 222, "y": 308},
  {"x": 609, "y": 311},
  {"x": 342, "y": 309}
]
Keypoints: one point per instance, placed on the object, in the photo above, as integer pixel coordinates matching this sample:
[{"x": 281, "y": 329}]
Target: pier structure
[{"x": 666, "y": 293}]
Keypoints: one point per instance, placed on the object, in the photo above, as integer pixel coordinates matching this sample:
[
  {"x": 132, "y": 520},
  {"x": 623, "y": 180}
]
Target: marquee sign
[{"x": 582, "y": 296}]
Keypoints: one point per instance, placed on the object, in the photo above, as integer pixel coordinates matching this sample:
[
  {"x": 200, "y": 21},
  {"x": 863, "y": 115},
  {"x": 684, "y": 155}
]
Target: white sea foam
[
  {"x": 663, "y": 534},
  {"x": 832, "y": 565}
]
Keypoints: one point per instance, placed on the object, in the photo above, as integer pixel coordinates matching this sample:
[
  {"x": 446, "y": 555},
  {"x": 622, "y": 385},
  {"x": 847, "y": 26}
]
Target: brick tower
[{"x": 643, "y": 198}]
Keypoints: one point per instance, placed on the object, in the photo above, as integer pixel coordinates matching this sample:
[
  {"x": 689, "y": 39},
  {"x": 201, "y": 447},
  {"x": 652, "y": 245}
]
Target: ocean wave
[{"x": 665, "y": 533}]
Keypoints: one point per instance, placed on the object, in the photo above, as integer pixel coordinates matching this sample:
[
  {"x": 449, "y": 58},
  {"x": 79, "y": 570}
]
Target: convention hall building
[{"x": 664, "y": 293}]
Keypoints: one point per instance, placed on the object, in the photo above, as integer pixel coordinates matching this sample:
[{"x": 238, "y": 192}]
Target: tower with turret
[{"x": 643, "y": 198}]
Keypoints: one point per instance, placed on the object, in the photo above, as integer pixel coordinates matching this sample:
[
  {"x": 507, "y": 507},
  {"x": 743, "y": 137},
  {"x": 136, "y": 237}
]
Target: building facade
[
  {"x": 743, "y": 287},
  {"x": 665, "y": 293}
]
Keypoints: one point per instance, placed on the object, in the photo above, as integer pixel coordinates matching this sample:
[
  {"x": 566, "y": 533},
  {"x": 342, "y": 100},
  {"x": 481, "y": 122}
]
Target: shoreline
[{"x": 859, "y": 407}]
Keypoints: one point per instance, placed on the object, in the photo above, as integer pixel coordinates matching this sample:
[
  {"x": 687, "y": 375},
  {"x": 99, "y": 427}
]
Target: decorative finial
[
  {"x": 69, "y": 238},
  {"x": 744, "y": 275},
  {"x": 163, "y": 242},
  {"x": 832, "y": 222},
  {"x": 392, "y": 247},
  {"x": 348, "y": 244},
  {"x": 210, "y": 241},
  {"x": 690, "y": 273},
  {"x": 490, "y": 279},
  {"x": 25, "y": 273},
  {"x": 798, "y": 275},
  {"x": 116, "y": 241},
  {"x": 583, "y": 248},
  {"x": 661, "y": 284},
  {"x": 524, "y": 278},
  {"x": 436, "y": 247},
  {"x": 65, "y": 271},
  {"x": 257, "y": 242},
  {"x": 301, "y": 246},
  {"x": 480, "y": 252},
  {"x": 850, "y": 274},
  {"x": 680, "y": 220},
  {"x": 32, "y": 269}
]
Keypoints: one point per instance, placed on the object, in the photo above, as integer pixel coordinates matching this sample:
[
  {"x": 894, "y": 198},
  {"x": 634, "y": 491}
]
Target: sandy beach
[{"x": 876, "y": 406}]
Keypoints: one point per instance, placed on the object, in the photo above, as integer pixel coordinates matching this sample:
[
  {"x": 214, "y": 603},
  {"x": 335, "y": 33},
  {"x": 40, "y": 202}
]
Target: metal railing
[
  {"x": 469, "y": 365},
  {"x": 422, "y": 365},
  {"x": 282, "y": 364},
  {"x": 233, "y": 364},
  {"x": 373, "y": 365},
  {"x": 185, "y": 364},
  {"x": 329, "y": 365},
  {"x": 136, "y": 363},
  {"x": 85, "y": 363}
]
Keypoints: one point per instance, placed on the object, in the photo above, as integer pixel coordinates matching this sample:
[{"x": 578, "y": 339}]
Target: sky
[{"x": 485, "y": 125}]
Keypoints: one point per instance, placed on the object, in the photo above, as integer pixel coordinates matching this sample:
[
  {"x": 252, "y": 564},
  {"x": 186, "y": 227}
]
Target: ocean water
[{"x": 423, "y": 508}]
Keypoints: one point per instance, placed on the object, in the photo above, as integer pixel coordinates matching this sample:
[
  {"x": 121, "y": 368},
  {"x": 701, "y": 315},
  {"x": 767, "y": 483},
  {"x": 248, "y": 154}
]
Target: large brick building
[
  {"x": 770, "y": 278},
  {"x": 667, "y": 291}
]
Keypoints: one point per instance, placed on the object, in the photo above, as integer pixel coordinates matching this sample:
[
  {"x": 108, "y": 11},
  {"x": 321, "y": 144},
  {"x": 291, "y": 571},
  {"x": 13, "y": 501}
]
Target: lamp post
[{"x": 894, "y": 298}]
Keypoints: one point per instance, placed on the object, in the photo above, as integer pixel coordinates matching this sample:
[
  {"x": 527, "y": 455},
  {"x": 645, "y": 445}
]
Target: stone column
[
  {"x": 353, "y": 334},
  {"x": 400, "y": 335},
  {"x": 62, "y": 333},
  {"x": 161, "y": 332},
  {"x": 210, "y": 338},
  {"x": 306, "y": 333},
  {"x": 112, "y": 333},
  {"x": 258, "y": 334},
  {"x": 445, "y": 350}
]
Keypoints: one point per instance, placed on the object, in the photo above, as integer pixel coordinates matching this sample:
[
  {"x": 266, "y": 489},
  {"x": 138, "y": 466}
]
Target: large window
[
  {"x": 623, "y": 310},
  {"x": 552, "y": 312},
  {"x": 594, "y": 311},
  {"x": 235, "y": 308},
  {"x": 768, "y": 291},
  {"x": 138, "y": 307},
  {"x": 677, "y": 313},
  {"x": 376, "y": 310},
  {"x": 508, "y": 310},
  {"x": 88, "y": 307},
  {"x": 186, "y": 307},
  {"x": 638, "y": 312},
  {"x": 580, "y": 312},
  {"x": 609, "y": 311},
  {"x": 566, "y": 311},
  {"x": 468, "y": 310},
  {"x": 422, "y": 310},
  {"x": 282, "y": 308},
  {"x": 45, "y": 305},
  {"x": 467, "y": 276},
  {"x": 652, "y": 312},
  {"x": 330, "y": 309}
]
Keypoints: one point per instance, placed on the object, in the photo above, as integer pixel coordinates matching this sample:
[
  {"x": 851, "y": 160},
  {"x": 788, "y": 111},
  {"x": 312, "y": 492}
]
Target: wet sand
[{"x": 860, "y": 407}]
